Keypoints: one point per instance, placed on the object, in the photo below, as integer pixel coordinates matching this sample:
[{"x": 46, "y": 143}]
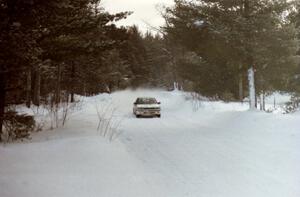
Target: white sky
[{"x": 145, "y": 11}]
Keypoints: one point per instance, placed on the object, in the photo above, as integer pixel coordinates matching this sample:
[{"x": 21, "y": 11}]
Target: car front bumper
[{"x": 147, "y": 112}]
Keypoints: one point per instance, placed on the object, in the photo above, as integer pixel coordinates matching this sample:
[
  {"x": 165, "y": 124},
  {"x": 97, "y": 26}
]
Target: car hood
[{"x": 147, "y": 105}]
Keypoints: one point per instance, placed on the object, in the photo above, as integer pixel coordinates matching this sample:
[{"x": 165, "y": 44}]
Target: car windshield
[{"x": 146, "y": 101}]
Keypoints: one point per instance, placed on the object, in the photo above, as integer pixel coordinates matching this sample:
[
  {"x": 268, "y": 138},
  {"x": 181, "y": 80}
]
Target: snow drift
[{"x": 220, "y": 150}]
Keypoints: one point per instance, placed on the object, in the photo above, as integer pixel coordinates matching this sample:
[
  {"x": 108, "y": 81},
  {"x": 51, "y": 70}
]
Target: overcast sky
[{"x": 145, "y": 11}]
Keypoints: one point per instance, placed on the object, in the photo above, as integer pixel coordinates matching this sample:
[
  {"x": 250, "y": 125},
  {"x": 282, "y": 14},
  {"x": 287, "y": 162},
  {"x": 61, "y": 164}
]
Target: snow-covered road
[{"x": 221, "y": 150}]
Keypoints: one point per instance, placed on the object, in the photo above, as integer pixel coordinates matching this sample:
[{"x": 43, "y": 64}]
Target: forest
[{"x": 51, "y": 51}]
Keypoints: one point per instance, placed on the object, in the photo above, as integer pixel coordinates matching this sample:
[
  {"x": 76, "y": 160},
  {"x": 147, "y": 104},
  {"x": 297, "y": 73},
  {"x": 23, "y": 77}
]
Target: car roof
[{"x": 146, "y": 98}]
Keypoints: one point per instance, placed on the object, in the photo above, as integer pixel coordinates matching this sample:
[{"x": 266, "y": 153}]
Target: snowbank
[{"x": 222, "y": 149}]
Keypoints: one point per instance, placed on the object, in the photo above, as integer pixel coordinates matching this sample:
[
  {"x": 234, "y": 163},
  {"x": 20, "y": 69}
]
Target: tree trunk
[
  {"x": 72, "y": 82},
  {"x": 250, "y": 61},
  {"x": 84, "y": 89},
  {"x": 2, "y": 99},
  {"x": 5, "y": 32},
  {"x": 261, "y": 100},
  {"x": 28, "y": 88},
  {"x": 264, "y": 101},
  {"x": 241, "y": 87},
  {"x": 37, "y": 87},
  {"x": 72, "y": 97},
  {"x": 252, "y": 99},
  {"x": 57, "y": 91}
]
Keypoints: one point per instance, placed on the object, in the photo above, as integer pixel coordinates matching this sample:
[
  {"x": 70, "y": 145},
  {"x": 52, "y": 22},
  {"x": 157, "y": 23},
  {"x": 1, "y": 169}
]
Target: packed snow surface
[{"x": 196, "y": 149}]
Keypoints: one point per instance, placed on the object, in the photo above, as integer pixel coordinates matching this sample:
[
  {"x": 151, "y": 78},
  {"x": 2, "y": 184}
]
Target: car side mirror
[
  {"x": 134, "y": 103},
  {"x": 158, "y": 102}
]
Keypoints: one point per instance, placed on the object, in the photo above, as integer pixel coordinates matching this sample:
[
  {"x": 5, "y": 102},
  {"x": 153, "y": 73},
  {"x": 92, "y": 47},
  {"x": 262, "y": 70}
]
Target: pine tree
[
  {"x": 42, "y": 44},
  {"x": 157, "y": 60},
  {"x": 238, "y": 34}
]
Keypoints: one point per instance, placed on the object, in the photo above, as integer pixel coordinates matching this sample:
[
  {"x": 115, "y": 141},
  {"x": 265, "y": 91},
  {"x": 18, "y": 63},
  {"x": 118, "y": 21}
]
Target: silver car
[{"x": 146, "y": 107}]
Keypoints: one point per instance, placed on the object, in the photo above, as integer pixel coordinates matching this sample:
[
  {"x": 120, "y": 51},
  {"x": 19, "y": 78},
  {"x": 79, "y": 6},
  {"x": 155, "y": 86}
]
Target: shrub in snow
[
  {"x": 108, "y": 124},
  {"x": 227, "y": 97},
  {"x": 196, "y": 100},
  {"x": 293, "y": 105},
  {"x": 58, "y": 113},
  {"x": 17, "y": 126}
]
